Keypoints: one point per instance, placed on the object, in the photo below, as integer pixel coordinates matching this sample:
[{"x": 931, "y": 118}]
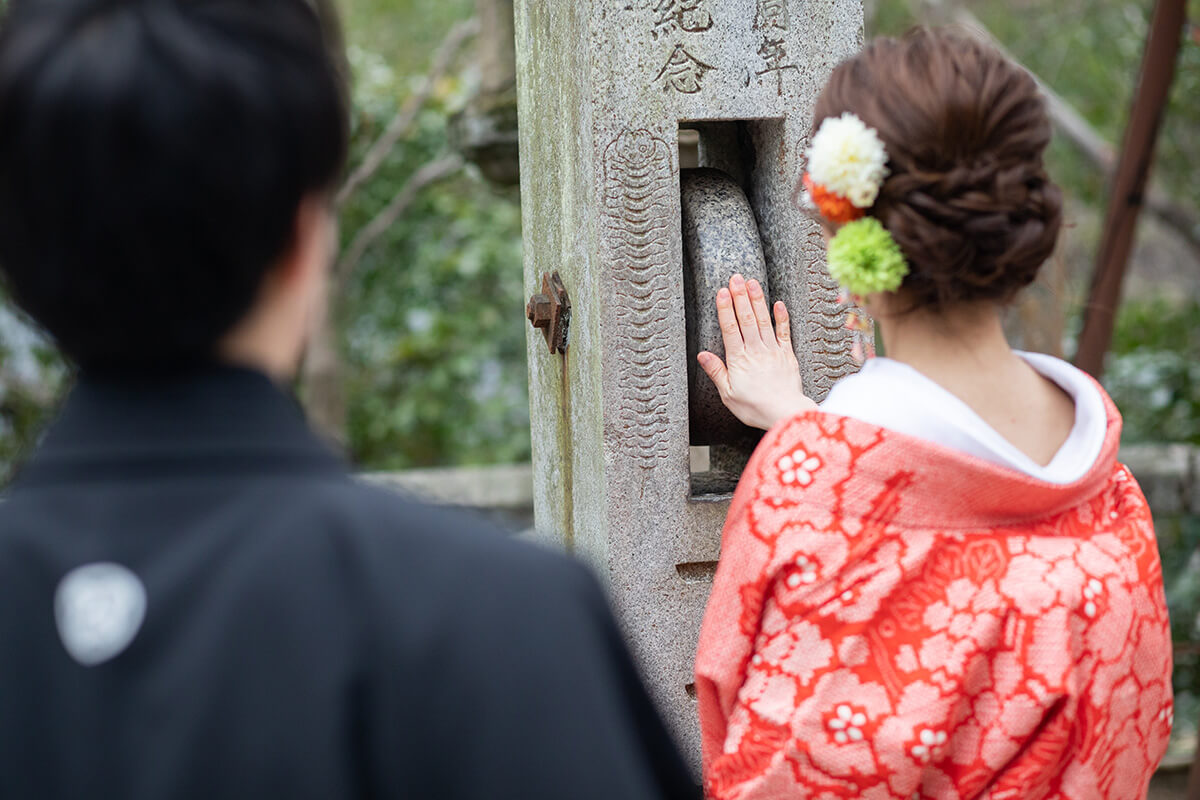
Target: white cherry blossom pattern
[
  {"x": 847, "y": 724},
  {"x": 804, "y": 573},
  {"x": 929, "y": 745},
  {"x": 1167, "y": 715},
  {"x": 1091, "y": 593},
  {"x": 798, "y": 468}
]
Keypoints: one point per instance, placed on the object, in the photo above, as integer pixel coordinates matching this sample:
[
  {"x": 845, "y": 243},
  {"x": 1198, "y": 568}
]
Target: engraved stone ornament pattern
[
  {"x": 637, "y": 189},
  {"x": 99, "y": 609}
]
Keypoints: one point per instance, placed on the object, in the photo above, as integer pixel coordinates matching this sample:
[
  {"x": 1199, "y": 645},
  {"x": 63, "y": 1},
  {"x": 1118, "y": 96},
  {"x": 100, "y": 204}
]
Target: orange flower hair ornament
[
  {"x": 832, "y": 207},
  {"x": 847, "y": 165}
]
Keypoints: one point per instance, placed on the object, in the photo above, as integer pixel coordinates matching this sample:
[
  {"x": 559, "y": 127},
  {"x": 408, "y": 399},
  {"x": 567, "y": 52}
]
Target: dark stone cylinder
[{"x": 720, "y": 237}]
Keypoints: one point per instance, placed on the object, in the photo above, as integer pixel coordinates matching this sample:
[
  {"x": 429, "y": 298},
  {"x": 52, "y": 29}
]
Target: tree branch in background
[
  {"x": 1090, "y": 143},
  {"x": 400, "y": 124},
  {"x": 321, "y": 374},
  {"x": 432, "y": 172},
  {"x": 485, "y": 131}
]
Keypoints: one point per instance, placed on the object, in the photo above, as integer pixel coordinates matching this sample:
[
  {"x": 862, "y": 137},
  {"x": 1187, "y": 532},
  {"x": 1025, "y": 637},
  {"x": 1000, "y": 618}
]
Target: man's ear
[{"x": 311, "y": 248}]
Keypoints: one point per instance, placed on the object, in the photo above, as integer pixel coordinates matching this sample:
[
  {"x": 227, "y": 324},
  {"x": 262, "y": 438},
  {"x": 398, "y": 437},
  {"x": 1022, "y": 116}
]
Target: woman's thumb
[{"x": 714, "y": 367}]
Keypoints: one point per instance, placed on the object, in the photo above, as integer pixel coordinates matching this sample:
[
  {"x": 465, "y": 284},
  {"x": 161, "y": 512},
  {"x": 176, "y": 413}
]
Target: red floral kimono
[{"x": 894, "y": 619}]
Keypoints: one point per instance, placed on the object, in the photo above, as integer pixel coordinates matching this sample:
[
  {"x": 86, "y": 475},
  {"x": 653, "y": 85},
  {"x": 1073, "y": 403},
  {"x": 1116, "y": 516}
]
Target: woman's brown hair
[{"x": 967, "y": 197}]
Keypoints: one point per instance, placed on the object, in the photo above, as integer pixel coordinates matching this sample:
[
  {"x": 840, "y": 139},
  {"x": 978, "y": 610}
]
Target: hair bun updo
[{"x": 967, "y": 199}]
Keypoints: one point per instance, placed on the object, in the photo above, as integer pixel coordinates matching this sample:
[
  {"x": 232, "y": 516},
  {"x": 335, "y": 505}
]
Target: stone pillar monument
[{"x": 604, "y": 88}]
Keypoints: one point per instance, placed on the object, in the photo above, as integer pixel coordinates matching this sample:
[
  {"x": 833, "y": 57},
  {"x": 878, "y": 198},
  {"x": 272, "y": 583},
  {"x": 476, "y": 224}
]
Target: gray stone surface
[
  {"x": 1166, "y": 473},
  {"x": 503, "y": 487},
  {"x": 603, "y": 88},
  {"x": 720, "y": 237}
]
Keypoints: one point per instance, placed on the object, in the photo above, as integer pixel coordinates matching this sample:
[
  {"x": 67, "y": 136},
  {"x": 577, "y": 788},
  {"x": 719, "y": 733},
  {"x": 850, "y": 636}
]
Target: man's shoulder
[
  {"x": 394, "y": 533},
  {"x": 437, "y": 580}
]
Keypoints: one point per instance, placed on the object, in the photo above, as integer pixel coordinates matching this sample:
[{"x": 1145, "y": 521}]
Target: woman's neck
[
  {"x": 950, "y": 345},
  {"x": 965, "y": 352}
]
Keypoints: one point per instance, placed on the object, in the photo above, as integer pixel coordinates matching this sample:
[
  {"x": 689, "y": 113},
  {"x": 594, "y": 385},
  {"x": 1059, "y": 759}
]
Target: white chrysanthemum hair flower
[{"x": 848, "y": 159}]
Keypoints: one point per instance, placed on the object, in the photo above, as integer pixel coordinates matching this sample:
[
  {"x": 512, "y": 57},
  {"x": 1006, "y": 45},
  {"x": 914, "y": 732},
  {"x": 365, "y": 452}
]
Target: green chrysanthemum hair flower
[{"x": 864, "y": 258}]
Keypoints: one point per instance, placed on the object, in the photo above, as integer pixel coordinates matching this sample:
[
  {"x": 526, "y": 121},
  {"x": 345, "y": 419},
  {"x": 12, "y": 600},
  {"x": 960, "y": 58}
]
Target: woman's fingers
[
  {"x": 747, "y": 321},
  {"x": 731, "y": 333},
  {"x": 758, "y": 301},
  {"x": 715, "y": 369},
  {"x": 783, "y": 327}
]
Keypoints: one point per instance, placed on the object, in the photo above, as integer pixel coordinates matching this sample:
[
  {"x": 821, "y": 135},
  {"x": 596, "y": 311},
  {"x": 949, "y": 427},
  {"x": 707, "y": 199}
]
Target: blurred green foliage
[
  {"x": 432, "y": 320},
  {"x": 1153, "y": 373},
  {"x": 1179, "y": 548},
  {"x": 404, "y": 33},
  {"x": 31, "y": 376}
]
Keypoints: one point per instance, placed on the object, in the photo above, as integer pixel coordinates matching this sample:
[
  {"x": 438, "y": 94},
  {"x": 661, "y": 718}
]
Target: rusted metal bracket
[{"x": 550, "y": 310}]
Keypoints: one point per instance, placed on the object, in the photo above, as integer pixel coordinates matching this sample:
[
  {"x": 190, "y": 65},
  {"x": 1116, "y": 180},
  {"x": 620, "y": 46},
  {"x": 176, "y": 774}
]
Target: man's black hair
[{"x": 153, "y": 155}]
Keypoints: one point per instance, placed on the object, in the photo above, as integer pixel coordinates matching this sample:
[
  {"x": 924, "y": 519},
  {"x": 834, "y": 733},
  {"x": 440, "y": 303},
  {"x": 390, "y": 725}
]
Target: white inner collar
[{"x": 895, "y": 396}]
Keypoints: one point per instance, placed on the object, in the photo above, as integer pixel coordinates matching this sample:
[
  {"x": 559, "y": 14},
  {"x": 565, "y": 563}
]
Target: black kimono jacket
[{"x": 198, "y": 601}]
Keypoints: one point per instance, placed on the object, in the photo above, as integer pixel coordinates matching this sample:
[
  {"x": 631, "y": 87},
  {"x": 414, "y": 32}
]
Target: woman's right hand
[{"x": 760, "y": 379}]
